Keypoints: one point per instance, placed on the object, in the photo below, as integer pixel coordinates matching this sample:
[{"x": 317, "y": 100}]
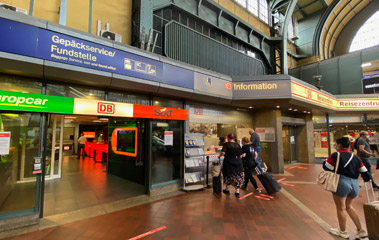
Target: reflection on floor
[{"x": 85, "y": 183}]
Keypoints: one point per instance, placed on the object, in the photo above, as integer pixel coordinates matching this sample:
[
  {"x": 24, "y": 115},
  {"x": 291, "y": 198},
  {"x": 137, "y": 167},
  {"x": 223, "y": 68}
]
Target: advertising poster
[{"x": 5, "y": 140}]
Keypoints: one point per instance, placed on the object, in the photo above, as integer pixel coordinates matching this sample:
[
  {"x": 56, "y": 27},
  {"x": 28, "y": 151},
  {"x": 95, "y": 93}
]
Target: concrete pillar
[
  {"x": 306, "y": 142},
  {"x": 272, "y": 155}
]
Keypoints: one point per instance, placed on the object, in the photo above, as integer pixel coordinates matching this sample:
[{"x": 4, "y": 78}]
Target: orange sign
[
  {"x": 125, "y": 141},
  {"x": 89, "y": 134},
  {"x": 144, "y": 111}
]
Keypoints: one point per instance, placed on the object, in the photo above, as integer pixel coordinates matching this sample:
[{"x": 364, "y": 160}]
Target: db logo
[
  {"x": 107, "y": 108},
  {"x": 162, "y": 112},
  {"x": 228, "y": 86}
]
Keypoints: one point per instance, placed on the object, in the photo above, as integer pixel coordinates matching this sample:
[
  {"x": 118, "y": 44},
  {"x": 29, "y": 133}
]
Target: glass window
[
  {"x": 167, "y": 102},
  {"x": 368, "y": 35},
  {"x": 19, "y": 84},
  {"x": 252, "y": 7},
  {"x": 124, "y": 97},
  {"x": 166, "y": 159},
  {"x": 263, "y": 10},
  {"x": 75, "y": 91},
  {"x": 242, "y": 2},
  {"x": 17, "y": 181}
]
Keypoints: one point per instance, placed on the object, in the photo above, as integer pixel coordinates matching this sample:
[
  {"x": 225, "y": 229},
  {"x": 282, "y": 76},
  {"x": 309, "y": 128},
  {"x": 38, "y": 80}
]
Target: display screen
[{"x": 126, "y": 141}]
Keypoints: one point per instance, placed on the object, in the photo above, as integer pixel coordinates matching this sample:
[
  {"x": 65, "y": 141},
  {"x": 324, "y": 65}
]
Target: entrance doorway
[
  {"x": 290, "y": 144},
  {"x": 79, "y": 181}
]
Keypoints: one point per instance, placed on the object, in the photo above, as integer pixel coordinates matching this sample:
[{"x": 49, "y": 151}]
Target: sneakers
[
  {"x": 362, "y": 233},
  {"x": 257, "y": 191},
  {"x": 244, "y": 188},
  {"x": 339, "y": 233}
]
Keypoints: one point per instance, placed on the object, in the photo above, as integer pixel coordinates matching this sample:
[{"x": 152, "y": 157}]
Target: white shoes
[
  {"x": 337, "y": 232},
  {"x": 362, "y": 234}
]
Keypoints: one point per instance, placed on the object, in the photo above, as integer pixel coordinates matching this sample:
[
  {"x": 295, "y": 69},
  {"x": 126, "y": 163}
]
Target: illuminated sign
[
  {"x": 144, "y": 111},
  {"x": 35, "y": 102},
  {"x": 358, "y": 103},
  {"x": 260, "y": 89},
  {"x": 93, "y": 107},
  {"x": 89, "y": 134},
  {"x": 125, "y": 141},
  {"x": 308, "y": 94}
]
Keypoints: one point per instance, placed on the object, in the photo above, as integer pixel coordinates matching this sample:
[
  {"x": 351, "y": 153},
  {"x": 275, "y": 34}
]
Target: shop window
[
  {"x": 134, "y": 98},
  {"x": 19, "y": 84},
  {"x": 75, "y": 91},
  {"x": 167, "y": 102},
  {"x": 263, "y": 10},
  {"x": 17, "y": 181}
]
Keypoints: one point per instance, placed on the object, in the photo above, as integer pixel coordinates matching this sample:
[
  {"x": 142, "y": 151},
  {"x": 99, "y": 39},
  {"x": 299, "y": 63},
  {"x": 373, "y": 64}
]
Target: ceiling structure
[{"x": 303, "y": 8}]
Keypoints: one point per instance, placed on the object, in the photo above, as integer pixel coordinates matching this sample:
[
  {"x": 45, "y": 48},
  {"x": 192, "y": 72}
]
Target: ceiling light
[
  {"x": 366, "y": 64},
  {"x": 103, "y": 119},
  {"x": 305, "y": 112},
  {"x": 277, "y": 106},
  {"x": 96, "y": 121},
  {"x": 290, "y": 109},
  {"x": 68, "y": 117},
  {"x": 309, "y": 112},
  {"x": 295, "y": 110},
  {"x": 91, "y": 94},
  {"x": 251, "y": 107}
]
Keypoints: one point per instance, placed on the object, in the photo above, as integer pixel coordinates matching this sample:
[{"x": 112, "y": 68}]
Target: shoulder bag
[{"x": 329, "y": 180}]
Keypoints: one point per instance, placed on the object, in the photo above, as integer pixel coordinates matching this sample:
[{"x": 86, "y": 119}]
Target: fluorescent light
[
  {"x": 368, "y": 64},
  {"x": 277, "y": 106},
  {"x": 304, "y": 111},
  {"x": 96, "y": 121},
  {"x": 295, "y": 110},
  {"x": 290, "y": 109},
  {"x": 68, "y": 117},
  {"x": 251, "y": 107}
]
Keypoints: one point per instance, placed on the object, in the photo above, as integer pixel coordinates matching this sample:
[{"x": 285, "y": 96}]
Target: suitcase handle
[{"x": 372, "y": 191}]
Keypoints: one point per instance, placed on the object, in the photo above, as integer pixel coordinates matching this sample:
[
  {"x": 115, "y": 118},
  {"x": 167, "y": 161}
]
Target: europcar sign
[{"x": 35, "y": 102}]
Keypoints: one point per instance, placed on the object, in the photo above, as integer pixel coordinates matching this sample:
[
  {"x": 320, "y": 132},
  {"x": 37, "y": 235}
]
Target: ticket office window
[
  {"x": 17, "y": 181},
  {"x": 19, "y": 84}
]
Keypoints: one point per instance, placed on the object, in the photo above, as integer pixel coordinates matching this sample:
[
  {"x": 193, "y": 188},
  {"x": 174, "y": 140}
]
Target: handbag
[
  {"x": 216, "y": 169},
  {"x": 329, "y": 180}
]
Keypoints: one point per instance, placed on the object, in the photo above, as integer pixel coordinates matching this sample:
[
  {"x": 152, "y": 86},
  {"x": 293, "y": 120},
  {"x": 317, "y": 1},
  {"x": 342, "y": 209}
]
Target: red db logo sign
[{"x": 107, "y": 108}]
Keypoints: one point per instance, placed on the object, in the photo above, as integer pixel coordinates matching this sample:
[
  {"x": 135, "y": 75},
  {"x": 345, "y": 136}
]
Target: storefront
[{"x": 30, "y": 135}]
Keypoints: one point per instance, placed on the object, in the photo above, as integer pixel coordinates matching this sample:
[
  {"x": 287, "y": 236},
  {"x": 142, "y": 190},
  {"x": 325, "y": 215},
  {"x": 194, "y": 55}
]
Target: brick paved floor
[{"x": 201, "y": 215}]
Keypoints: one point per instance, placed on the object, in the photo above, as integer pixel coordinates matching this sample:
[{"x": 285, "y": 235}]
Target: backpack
[{"x": 249, "y": 160}]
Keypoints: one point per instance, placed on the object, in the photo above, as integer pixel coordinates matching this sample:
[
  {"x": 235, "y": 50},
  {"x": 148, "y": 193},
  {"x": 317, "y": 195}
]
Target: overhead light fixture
[
  {"x": 103, "y": 119},
  {"x": 91, "y": 94},
  {"x": 96, "y": 121},
  {"x": 304, "y": 111},
  {"x": 277, "y": 106},
  {"x": 251, "y": 107},
  {"x": 295, "y": 110},
  {"x": 309, "y": 112},
  {"x": 368, "y": 64},
  {"x": 69, "y": 117},
  {"x": 290, "y": 109},
  {"x": 156, "y": 102}
]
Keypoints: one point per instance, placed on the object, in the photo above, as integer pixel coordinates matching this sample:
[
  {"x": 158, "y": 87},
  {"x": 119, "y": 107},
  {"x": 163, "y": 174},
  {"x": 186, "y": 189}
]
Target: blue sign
[{"x": 31, "y": 41}]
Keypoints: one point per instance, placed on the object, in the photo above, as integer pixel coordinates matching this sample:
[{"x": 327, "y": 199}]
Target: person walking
[
  {"x": 364, "y": 152},
  {"x": 256, "y": 144},
  {"x": 232, "y": 168},
  {"x": 249, "y": 156},
  {"x": 349, "y": 168},
  {"x": 82, "y": 141}
]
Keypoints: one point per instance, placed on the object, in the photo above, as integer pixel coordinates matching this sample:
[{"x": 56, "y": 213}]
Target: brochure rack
[{"x": 194, "y": 162}]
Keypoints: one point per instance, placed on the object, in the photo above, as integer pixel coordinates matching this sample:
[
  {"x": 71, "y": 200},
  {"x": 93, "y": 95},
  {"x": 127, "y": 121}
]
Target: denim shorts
[{"x": 347, "y": 187}]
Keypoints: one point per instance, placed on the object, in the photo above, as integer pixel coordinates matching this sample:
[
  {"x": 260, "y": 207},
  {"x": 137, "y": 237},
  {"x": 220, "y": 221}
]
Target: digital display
[{"x": 126, "y": 141}]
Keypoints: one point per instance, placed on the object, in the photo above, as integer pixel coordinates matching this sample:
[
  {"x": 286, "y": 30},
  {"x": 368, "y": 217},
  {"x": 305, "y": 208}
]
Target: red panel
[{"x": 144, "y": 111}]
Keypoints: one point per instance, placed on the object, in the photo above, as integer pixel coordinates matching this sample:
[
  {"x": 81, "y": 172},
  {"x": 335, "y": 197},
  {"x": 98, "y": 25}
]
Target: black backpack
[{"x": 249, "y": 160}]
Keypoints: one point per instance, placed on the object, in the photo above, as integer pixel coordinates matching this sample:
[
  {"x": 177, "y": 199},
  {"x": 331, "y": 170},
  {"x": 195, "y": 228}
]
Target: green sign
[{"x": 35, "y": 102}]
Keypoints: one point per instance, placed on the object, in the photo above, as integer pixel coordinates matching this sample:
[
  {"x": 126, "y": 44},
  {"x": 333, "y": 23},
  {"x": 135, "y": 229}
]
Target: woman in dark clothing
[
  {"x": 232, "y": 168},
  {"x": 349, "y": 168},
  {"x": 249, "y": 157}
]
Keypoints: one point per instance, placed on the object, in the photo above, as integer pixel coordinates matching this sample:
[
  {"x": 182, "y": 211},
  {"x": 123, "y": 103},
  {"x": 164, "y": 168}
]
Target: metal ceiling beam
[
  {"x": 303, "y": 14},
  {"x": 287, "y": 19},
  {"x": 309, "y": 4}
]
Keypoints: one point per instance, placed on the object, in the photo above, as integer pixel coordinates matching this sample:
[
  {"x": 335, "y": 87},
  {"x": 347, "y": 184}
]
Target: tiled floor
[
  {"x": 85, "y": 183},
  {"x": 201, "y": 215}
]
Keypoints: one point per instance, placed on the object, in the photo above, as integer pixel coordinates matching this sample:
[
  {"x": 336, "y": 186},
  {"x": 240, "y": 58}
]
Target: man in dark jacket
[
  {"x": 256, "y": 144},
  {"x": 364, "y": 152}
]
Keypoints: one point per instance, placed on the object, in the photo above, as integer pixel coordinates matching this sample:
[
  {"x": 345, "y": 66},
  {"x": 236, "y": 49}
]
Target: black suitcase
[
  {"x": 269, "y": 183},
  {"x": 217, "y": 184},
  {"x": 371, "y": 210}
]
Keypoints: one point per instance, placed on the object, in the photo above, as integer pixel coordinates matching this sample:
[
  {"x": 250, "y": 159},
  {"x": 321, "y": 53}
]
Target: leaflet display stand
[{"x": 194, "y": 162}]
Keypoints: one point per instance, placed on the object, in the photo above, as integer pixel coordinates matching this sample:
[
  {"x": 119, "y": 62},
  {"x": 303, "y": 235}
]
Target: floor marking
[
  {"x": 300, "y": 182},
  {"x": 267, "y": 199},
  {"x": 267, "y": 196},
  {"x": 148, "y": 233},
  {"x": 287, "y": 184},
  {"x": 281, "y": 179},
  {"x": 302, "y": 167},
  {"x": 324, "y": 225},
  {"x": 292, "y": 167},
  {"x": 245, "y": 196}
]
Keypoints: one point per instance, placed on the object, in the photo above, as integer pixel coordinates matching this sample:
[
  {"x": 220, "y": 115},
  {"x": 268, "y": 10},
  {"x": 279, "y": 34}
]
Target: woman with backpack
[{"x": 249, "y": 157}]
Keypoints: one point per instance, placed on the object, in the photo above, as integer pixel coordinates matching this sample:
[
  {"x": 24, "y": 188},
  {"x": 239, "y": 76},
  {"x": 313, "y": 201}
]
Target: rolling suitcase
[
  {"x": 269, "y": 182},
  {"x": 216, "y": 182},
  {"x": 371, "y": 210}
]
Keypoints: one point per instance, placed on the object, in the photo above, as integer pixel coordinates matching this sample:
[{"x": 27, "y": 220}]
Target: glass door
[
  {"x": 292, "y": 130},
  {"x": 54, "y": 146}
]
